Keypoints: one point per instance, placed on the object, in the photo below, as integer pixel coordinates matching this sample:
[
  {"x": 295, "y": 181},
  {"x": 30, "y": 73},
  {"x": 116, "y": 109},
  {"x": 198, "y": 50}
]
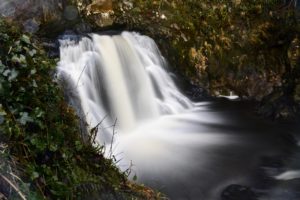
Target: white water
[{"x": 122, "y": 76}]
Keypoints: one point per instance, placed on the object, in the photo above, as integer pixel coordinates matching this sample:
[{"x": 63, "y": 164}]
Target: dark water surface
[{"x": 197, "y": 154}]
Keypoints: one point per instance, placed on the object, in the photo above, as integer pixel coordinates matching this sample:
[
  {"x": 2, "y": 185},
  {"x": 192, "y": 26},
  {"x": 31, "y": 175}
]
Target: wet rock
[
  {"x": 83, "y": 28},
  {"x": 238, "y": 192},
  {"x": 31, "y": 26},
  {"x": 196, "y": 93},
  {"x": 7, "y": 9},
  {"x": 51, "y": 47},
  {"x": 71, "y": 13},
  {"x": 100, "y": 6}
]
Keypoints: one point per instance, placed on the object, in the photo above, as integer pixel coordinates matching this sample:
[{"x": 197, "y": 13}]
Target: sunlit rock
[
  {"x": 101, "y": 11},
  {"x": 100, "y": 6},
  {"x": 238, "y": 192}
]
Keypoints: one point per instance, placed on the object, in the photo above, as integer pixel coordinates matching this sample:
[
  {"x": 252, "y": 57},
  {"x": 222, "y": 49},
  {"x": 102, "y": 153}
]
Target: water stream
[{"x": 185, "y": 149}]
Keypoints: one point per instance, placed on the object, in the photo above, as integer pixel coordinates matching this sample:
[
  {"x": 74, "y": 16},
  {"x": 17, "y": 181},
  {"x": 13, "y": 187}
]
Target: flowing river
[{"x": 187, "y": 150}]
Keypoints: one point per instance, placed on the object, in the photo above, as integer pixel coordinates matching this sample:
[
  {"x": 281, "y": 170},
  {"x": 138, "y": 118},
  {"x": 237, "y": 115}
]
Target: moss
[{"x": 41, "y": 132}]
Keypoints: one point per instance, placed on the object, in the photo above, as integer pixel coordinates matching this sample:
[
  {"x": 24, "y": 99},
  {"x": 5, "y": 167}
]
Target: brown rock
[
  {"x": 101, "y": 12},
  {"x": 100, "y": 6}
]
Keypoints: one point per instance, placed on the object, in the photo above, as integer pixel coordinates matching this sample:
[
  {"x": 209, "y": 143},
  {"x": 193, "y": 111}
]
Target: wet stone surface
[{"x": 239, "y": 192}]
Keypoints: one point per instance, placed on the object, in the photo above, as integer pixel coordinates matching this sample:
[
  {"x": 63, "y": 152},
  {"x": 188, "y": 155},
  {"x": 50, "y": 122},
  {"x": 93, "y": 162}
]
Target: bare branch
[{"x": 14, "y": 187}]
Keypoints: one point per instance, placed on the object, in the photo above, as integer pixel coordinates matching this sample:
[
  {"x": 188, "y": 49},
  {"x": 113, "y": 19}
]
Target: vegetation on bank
[
  {"x": 42, "y": 152},
  {"x": 249, "y": 47}
]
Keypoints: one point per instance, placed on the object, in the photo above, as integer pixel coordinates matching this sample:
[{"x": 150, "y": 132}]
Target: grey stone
[{"x": 31, "y": 26}]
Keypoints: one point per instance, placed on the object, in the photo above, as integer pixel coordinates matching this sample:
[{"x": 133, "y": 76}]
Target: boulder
[
  {"x": 32, "y": 13},
  {"x": 101, "y": 12},
  {"x": 100, "y": 6},
  {"x": 238, "y": 192}
]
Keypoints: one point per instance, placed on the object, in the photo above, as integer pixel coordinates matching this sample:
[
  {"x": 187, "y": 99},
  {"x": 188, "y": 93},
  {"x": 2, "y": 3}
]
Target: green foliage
[{"x": 41, "y": 132}]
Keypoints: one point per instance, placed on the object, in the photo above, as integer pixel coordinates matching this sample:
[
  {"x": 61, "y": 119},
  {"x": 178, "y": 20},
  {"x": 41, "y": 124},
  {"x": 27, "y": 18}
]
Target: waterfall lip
[
  {"x": 77, "y": 37},
  {"x": 109, "y": 32}
]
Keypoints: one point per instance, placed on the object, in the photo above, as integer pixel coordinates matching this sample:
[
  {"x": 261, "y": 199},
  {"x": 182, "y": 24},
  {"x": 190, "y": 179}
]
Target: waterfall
[
  {"x": 185, "y": 150},
  {"x": 122, "y": 77}
]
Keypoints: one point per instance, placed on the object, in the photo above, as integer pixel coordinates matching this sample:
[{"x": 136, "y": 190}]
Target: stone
[
  {"x": 71, "y": 13},
  {"x": 100, "y": 6},
  {"x": 83, "y": 28},
  {"x": 31, "y": 26},
  {"x": 7, "y": 9},
  {"x": 238, "y": 192}
]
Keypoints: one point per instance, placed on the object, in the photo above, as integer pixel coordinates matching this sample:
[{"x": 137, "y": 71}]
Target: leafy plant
[{"x": 42, "y": 132}]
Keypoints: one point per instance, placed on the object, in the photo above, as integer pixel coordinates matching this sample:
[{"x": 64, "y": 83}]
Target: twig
[
  {"x": 94, "y": 131},
  {"x": 15, "y": 176},
  {"x": 112, "y": 139},
  {"x": 129, "y": 169},
  {"x": 14, "y": 187},
  {"x": 80, "y": 75}
]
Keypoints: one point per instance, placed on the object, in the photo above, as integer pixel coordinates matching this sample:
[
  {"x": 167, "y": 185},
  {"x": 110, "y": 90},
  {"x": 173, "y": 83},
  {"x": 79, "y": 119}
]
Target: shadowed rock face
[
  {"x": 238, "y": 192},
  {"x": 32, "y": 13},
  {"x": 55, "y": 16}
]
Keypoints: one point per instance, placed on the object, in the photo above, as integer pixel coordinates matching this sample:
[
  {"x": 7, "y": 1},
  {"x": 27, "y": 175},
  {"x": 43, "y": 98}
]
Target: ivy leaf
[
  {"x": 19, "y": 59},
  {"x": 13, "y": 75},
  {"x": 34, "y": 84},
  {"x": 25, "y": 39},
  {"x": 6, "y": 72},
  {"x": 32, "y": 52},
  {"x": 33, "y": 71},
  {"x": 38, "y": 112},
  {"x": 53, "y": 147},
  {"x": 34, "y": 175},
  {"x": 25, "y": 118},
  {"x": 2, "y": 67}
]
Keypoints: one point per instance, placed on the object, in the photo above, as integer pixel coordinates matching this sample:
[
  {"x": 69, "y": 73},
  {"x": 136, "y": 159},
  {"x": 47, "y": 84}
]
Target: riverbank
[{"x": 44, "y": 151}]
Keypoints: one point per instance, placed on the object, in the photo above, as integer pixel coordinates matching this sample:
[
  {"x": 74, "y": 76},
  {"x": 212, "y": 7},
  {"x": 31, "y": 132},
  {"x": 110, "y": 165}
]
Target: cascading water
[
  {"x": 122, "y": 76},
  {"x": 188, "y": 150}
]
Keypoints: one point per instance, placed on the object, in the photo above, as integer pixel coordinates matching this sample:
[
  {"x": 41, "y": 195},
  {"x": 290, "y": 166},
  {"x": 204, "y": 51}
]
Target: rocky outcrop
[
  {"x": 53, "y": 17},
  {"x": 238, "y": 192},
  {"x": 99, "y": 12},
  {"x": 32, "y": 13}
]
